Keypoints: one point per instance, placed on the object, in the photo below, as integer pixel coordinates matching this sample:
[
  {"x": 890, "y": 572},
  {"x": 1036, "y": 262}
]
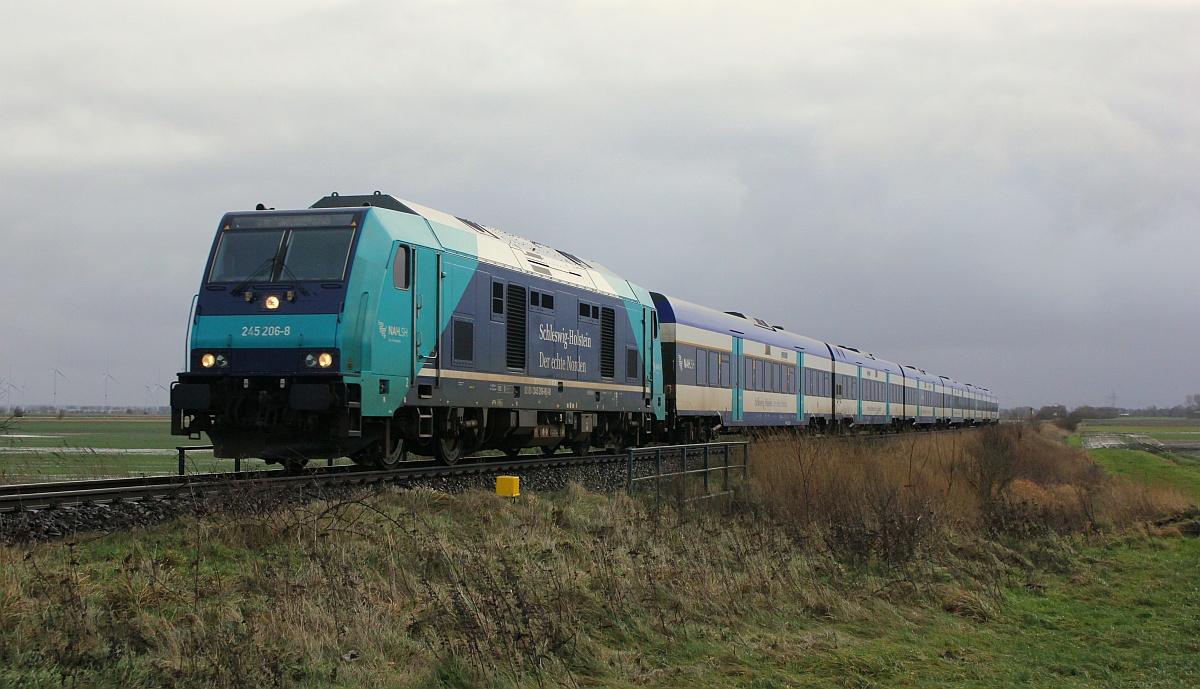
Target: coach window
[
  {"x": 400, "y": 268},
  {"x": 701, "y": 367},
  {"x": 714, "y": 369},
  {"x": 724, "y": 371}
]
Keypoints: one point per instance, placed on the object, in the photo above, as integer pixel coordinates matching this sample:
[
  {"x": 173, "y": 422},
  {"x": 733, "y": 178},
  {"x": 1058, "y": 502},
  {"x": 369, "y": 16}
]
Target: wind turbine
[
  {"x": 57, "y": 373},
  {"x": 157, "y": 387},
  {"x": 106, "y": 377}
]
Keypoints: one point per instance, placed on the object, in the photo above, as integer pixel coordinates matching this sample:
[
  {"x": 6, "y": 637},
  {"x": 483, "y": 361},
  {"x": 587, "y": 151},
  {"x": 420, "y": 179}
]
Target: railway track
[{"x": 37, "y": 496}]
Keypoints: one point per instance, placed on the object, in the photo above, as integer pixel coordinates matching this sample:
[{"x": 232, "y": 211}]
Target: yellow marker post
[{"x": 508, "y": 486}]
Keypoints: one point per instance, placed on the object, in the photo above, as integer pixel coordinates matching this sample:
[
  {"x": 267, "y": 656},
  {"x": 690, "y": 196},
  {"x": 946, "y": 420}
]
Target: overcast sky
[{"x": 1007, "y": 193}]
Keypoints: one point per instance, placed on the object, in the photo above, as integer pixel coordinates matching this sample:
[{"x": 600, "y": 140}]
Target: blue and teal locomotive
[{"x": 370, "y": 327}]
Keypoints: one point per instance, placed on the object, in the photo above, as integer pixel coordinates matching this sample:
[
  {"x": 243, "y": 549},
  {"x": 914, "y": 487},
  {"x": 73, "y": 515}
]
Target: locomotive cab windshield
[{"x": 294, "y": 247}]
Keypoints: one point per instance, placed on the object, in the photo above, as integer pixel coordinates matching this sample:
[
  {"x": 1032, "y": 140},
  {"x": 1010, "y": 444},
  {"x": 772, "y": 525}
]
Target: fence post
[
  {"x": 629, "y": 478},
  {"x": 657, "y": 476},
  {"x": 706, "y": 469},
  {"x": 182, "y": 454},
  {"x": 726, "y": 486}
]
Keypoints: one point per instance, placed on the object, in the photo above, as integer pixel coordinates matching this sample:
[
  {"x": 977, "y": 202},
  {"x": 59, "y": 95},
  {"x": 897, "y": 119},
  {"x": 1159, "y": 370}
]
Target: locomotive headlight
[
  {"x": 315, "y": 360},
  {"x": 208, "y": 361},
  {"x": 272, "y": 302}
]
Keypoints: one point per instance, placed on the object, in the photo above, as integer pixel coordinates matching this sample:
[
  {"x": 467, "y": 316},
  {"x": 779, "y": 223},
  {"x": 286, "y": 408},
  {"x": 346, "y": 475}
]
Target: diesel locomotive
[{"x": 371, "y": 327}]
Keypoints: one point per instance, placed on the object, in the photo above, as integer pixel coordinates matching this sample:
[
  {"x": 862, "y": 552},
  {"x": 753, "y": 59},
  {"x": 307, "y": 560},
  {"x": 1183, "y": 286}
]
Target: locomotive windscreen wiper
[
  {"x": 299, "y": 285},
  {"x": 241, "y": 288}
]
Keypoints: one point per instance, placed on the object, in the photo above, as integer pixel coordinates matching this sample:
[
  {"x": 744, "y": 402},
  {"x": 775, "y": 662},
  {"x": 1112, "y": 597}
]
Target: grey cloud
[{"x": 1001, "y": 192}]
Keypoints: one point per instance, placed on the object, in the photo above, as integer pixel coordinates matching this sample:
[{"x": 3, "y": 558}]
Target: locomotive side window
[
  {"x": 400, "y": 267},
  {"x": 497, "y": 299},
  {"x": 548, "y": 302},
  {"x": 464, "y": 342}
]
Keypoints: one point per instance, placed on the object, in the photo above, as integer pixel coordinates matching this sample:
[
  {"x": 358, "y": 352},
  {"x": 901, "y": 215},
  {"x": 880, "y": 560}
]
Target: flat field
[
  {"x": 1175, "y": 440},
  {"x": 44, "y": 448}
]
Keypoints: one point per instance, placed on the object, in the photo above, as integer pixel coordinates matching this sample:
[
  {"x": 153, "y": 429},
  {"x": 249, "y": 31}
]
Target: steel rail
[
  {"x": 66, "y": 493},
  {"x": 69, "y": 493}
]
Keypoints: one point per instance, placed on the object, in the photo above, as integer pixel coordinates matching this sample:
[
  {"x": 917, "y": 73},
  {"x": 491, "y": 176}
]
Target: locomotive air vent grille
[
  {"x": 608, "y": 342},
  {"x": 514, "y": 340}
]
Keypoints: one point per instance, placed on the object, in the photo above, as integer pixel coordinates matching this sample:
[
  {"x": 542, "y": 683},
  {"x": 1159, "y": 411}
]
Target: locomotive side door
[{"x": 427, "y": 282}]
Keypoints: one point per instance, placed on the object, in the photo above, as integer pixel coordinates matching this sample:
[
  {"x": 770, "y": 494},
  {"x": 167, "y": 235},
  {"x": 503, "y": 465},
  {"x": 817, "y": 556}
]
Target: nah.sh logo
[{"x": 382, "y": 329}]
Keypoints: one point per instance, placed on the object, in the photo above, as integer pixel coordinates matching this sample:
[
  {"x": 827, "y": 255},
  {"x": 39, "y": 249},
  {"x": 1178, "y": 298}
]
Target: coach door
[
  {"x": 427, "y": 287},
  {"x": 737, "y": 381}
]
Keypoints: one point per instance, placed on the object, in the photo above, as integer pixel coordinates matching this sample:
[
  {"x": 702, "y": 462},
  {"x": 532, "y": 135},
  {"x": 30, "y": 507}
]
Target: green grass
[
  {"x": 1146, "y": 468},
  {"x": 579, "y": 589},
  {"x": 132, "y": 432}
]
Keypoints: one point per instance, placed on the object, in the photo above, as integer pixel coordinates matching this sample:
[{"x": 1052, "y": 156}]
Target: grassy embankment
[{"x": 1003, "y": 559}]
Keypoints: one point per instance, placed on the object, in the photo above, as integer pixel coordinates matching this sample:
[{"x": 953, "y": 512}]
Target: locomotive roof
[{"x": 499, "y": 247}]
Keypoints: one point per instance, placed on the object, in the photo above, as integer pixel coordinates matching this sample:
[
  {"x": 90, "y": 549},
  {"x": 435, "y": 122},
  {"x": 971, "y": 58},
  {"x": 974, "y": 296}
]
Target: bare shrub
[
  {"x": 887, "y": 501},
  {"x": 864, "y": 501}
]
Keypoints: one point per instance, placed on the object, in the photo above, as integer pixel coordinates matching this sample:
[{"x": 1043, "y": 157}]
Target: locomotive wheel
[
  {"x": 448, "y": 449},
  {"x": 390, "y": 460}
]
